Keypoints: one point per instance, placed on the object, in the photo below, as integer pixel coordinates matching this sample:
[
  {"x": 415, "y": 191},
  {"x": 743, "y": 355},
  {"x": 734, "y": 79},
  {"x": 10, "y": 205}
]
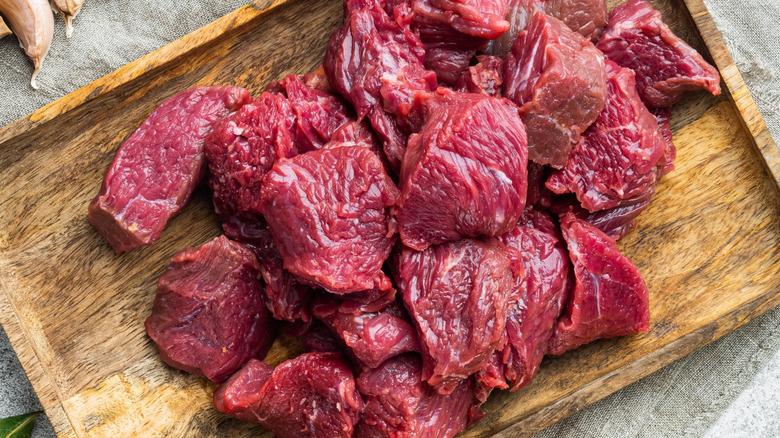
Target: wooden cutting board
[{"x": 708, "y": 246}]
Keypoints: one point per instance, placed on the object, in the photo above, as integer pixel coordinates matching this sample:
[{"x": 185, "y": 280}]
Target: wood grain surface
[{"x": 73, "y": 310}]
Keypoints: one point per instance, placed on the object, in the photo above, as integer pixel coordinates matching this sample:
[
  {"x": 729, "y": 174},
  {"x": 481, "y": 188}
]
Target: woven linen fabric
[{"x": 730, "y": 388}]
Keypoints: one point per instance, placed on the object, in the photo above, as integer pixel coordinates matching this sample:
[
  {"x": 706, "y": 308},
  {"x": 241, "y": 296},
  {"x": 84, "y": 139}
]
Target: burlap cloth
[{"x": 730, "y": 388}]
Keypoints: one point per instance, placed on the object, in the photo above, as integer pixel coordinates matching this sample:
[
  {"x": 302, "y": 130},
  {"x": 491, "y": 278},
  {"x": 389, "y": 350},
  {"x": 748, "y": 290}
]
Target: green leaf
[{"x": 20, "y": 426}]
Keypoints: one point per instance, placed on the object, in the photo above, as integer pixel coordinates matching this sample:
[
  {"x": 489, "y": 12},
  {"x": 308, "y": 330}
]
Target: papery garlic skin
[{"x": 33, "y": 23}]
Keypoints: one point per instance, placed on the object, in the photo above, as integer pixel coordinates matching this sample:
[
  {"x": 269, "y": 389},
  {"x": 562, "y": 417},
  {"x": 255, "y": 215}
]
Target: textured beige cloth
[{"x": 730, "y": 388}]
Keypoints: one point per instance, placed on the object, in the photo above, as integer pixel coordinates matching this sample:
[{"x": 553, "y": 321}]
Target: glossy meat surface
[
  {"x": 586, "y": 17},
  {"x": 666, "y": 67},
  {"x": 609, "y": 297},
  {"x": 318, "y": 113},
  {"x": 484, "y": 78},
  {"x": 376, "y": 63},
  {"x": 615, "y": 162},
  {"x": 373, "y": 337},
  {"x": 242, "y": 148},
  {"x": 472, "y": 149},
  {"x": 398, "y": 403},
  {"x": 329, "y": 212},
  {"x": 457, "y": 294},
  {"x": 557, "y": 79},
  {"x": 479, "y": 18},
  {"x": 313, "y": 395},
  {"x": 159, "y": 165},
  {"x": 531, "y": 320},
  {"x": 209, "y": 317}
]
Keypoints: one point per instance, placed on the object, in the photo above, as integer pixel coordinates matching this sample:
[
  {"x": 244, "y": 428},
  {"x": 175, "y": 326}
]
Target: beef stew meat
[
  {"x": 457, "y": 294},
  {"x": 666, "y": 67},
  {"x": 398, "y": 403},
  {"x": 586, "y": 17},
  {"x": 209, "y": 317},
  {"x": 157, "y": 168},
  {"x": 557, "y": 79},
  {"x": 313, "y": 395},
  {"x": 615, "y": 162},
  {"x": 376, "y": 63},
  {"x": 485, "y": 78},
  {"x": 470, "y": 145},
  {"x": 609, "y": 297},
  {"x": 329, "y": 214},
  {"x": 373, "y": 337}
]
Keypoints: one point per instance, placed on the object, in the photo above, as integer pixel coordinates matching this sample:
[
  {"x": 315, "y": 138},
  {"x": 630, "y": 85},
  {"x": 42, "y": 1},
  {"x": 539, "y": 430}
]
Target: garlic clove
[
  {"x": 33, "y": 23},
  {"x": 69, "y": 9}
]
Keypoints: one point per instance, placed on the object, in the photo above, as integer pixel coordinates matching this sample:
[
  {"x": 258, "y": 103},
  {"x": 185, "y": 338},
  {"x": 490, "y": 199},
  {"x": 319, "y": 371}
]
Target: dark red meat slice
[
  {"x": 531, "y": 321},
  {"x": 664, "y": 116},
  {"x": 158, "y": 166},
  {"x": 586, "y": 17},
  {"x": 448, "y": 64},
  {"x": 313, "y": 395},
  {"x": 485, "y": 78},
  {"x": 666, "y": 67},
  {"x": 472, "y": 150},
  {"x": 400, "y": 404},
  {"x": 209, "y": 317},
  {"x": 457, "y": 295},
  {"x": 242, "y": 148},
  {"x": 558, "y": 80},
  {"x": 609, "y": 298},
  {"x": 377, "y": 64},
  {"x": 329, "y": 212},
  {"x": 373, "y": 337},
  {"x": 615, "y": 222},
  {"x": 318, "y": 114},
  {"x": 615, "y": 162}
]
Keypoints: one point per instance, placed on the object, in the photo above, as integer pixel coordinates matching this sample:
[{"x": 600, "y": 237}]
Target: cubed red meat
[
  {"x": 158, "y": 166},
  {"x": 398, "y": 403},
  {"x": 615, "y": 163},
  {"x": 609, "y": 297},
  {"x": 457, "y": 294},
  {"x": 472, "y": 150},
  {"x": 329, "y": 212},
  {"x": 666, "y": 67},
  {"x": 312, "y": 395},
  {"x": 558, "y": 80},
  {"x": 209, "y": 317}
]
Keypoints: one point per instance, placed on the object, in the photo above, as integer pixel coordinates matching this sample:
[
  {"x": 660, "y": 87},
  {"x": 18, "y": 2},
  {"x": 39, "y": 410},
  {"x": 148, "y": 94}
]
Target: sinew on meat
[{"x": 157, "y": 168}]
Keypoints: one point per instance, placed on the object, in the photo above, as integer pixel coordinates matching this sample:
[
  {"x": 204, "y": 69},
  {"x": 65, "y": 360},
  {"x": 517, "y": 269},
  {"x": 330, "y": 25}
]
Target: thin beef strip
[
  {"x": 400, "y": 404},
  {"x": 457, "y": 294},
  {"x": 209, "y": 317},
  {"x": 472, "y": 149},
  {"x": 666, "y": 67},
  {"x": 329, "y": 212},
  {"x": 159, "y": 165},
  {"x": 558, "y": 80},
  {"x": 609, "y": 298},
  {"x": 615, "y": 163},
  {"x": 312, "y": 395}
]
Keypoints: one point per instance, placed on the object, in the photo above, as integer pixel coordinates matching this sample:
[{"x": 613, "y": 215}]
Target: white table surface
[{"x": 731, "y": 388}]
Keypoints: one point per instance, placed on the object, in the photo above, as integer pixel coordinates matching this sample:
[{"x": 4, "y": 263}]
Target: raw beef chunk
[
  {"x": 400, "y": 404},
  {"x": 531, "y": 320},
  {"x": 448, "y": 64},
  {"x": 377, "y": 63},
  {"x": 372, "y": 337},
  {"x": 158, "y": 166},
  {"x": 485, "y": 78},
  {"x": 558, "y": 80},
  {"x": 538, "y": 194},
  {"x": 609, "y": 298},
  {"x": 329, "y": 212},
  {"x": 318, "y": 114},
  {"x": 355, "y": 134},
  {"x": 209, "y": 317},
  {"x": 457, "y": 295},
  {"x": 666, "y": 67},
  {"x": 615, "y": 162},
  {"x": 586, "y": 17},
  {"x": 242, "y": 148},
  {"x": 664, "y": 116},
  {"x": 472, "y": 150},
  {"x": 480, "y": 18},
  {"x": 313, "y": 395}
]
